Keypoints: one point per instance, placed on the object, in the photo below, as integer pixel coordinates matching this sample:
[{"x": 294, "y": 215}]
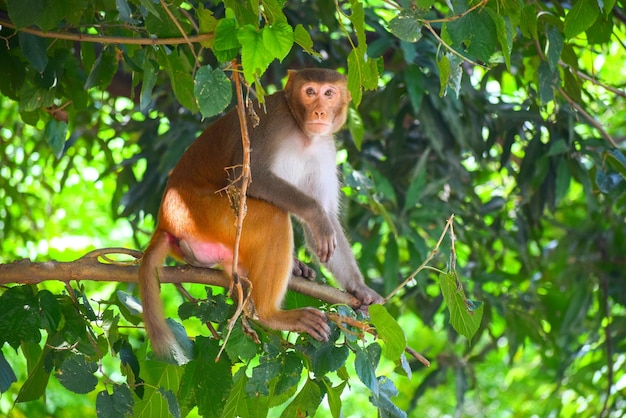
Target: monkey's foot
[{"x": 302, "y": 270}]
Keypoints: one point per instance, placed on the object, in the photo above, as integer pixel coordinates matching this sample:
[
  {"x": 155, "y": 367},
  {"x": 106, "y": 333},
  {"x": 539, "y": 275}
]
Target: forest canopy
[{"x": 484, "y": 190}]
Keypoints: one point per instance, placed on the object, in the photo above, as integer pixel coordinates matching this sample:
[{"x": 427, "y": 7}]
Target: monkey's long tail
[{"x": 161, "y": 337}]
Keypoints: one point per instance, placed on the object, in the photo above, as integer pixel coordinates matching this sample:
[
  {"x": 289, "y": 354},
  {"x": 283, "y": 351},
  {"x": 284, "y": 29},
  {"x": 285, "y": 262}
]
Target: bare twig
[
  {"x": 182, "y": 32},
  {"x": 424, "y": 264},
  {"x": 115, "y": 40}
]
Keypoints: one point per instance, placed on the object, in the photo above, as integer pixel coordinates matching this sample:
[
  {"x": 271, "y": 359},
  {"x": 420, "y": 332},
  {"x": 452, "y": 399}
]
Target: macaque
[{"x": 293, "y": 172}]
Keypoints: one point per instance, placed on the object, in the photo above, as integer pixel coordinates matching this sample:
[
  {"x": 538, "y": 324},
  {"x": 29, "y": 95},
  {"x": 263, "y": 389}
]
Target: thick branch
[{"x": 91, "y": 268}]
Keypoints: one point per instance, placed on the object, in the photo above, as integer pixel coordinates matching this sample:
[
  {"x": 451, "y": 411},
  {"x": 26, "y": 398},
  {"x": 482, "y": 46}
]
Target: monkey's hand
[
  {"x": 366, "y": 295},
  {"x": 325, "y": 238},
  {"x": 302, "y": 270}
]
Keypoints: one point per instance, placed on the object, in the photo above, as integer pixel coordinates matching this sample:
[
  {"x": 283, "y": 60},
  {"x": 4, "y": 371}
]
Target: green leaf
[
  {"x": 254, "y": 56},
  {"x": 25, "y": 13},
  {"x": 273, "y": 9},
  {"x": 465, "y": 316},
  {"x": 37, "y": 380},
  {"x": 365, "y": 365},
  {"x": 504, "y": 32},
  {"x": 303, "y": 38},
  {"x": 476, "y": 32},
  {"x": 581, "y": 17},
  {"x": 124, "y": 11},
  {"x": 208, "y": 24},
  {"x": 383, "y": 401},
  {"x": 118, "y": 404},
  {"x": 328, "y": 358},
  {"x": 548, "y": 81},
  {"x": 207, "y": 382},
  {"x": 50, "y": 311},
  {"x": 356, "y": 127},
  {"x": 334, "y": 397},
  {"x": 150, "y": 72},
  {"x": 236, "y": 405},
  {"x": 415, "y": 86},
  {"x": 554, "y": 47},
  {"x": 306, "y": 401},
  {"x": 601, "y": 31},
  {"x": 226, "y": 41},
  {"x": 76, "y": 374},
  {"x": 389, "y": 331},
  {"x": 103, "y": 70},
  {"x": 179, "y": 72},
  {"x": 34, "y": 49},
  {"x": 7, "y": 376},
  {"x": 213, "y": 90},
  {"x": 149, "y": 5},
  {"x": 55, "y": 134},
  {"x": 278, "y": 39},
  {"x": 406, "y": 25}
]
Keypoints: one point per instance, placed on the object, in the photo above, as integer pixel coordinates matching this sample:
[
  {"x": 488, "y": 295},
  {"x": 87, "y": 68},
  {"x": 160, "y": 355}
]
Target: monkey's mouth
[{"x": 318, "y": 127}]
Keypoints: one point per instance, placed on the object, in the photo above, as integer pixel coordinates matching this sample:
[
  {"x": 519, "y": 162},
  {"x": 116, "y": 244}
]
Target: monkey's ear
[{"x": 290, "y": 75}]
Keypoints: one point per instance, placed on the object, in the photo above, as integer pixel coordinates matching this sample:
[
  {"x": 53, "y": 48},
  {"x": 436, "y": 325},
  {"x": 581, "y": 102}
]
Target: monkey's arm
[
  {"x": 267, "y": 186},
  {"x": 344, "y": 268}
]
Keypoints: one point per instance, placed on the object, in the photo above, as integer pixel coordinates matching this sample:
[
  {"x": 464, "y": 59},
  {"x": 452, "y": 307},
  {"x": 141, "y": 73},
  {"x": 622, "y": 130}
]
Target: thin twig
[
  {"x": 115, "y": 40},
  {"x": 424, "y": 265},
  {"x": 182, "y": 32}
]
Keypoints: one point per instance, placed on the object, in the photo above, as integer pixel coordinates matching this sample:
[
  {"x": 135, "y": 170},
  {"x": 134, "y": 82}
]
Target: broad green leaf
[
  {"x": 124, "y": 12},
  {"x": 55, "y": 133},
  {"x": 290, "y": 373},
  {"x": 179, "y": 72},
  {"x": 213, "y": 90},
  {"x": 208, "y": 24},
  {"x": 37, "y": 380},
  {"x": 362, "y": 72},
  {"x": 226, "y": 35},
  {"x": 554, "y": 47},
  {"x": 528, "y": 22},
  {"x": 365, "y": 365},
  {"x": 465, "y": 315},
  {"x": 504, "y": 32},
  {"x": 207, "y": 382},
  {"x": 254, "y": 56},
  {"x": 278, "y": 39},
  {"x": 273, "y": 9},
  {"x": 7, "y": 376},
  {"x": 406, "y": 25},
  {"x": 357, "y": 18},
  {"x": 328, "y": 358},
  {"x": 149, "y": 5},
  {"x": 165, "y": 27},
  {"x": 389, "y": 331},
  {"x": 563, "y": 180},
  {"x": 616, "y": 159},
  {"x": 415, "y": 86},
  {"x": 236, "y": 405},
  {"x": 266, "y": 371},
  {"x": 581, "y": 17},
  {"x": 601, "y": 31},
  {"x": 34, "y": 49},
  {"x": 49, "y": 308},
  {"x": 303, "y": 38},
  {"x": 383, "y": 401},
  {"x": 306, "y": 401},
  {"x": 333, "y": 395},
  {"x": 172, "y": 402},
  {"x": 103, "y": 70},
  {"x": 475, "y": 32},
  {"x": 35, "y": 98},
  {"x": 548, "y": 81},
  {"x": 77, "y": 374},
  {"x": 118, "y": 404},
  {"x": 25, "y": 13},
  {"x": 246, "y": 12},
  {"x": 356, "y": 127}
]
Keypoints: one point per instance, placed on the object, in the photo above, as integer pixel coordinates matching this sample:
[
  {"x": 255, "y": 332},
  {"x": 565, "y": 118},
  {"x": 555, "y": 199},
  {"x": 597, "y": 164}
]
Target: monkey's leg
[{"x": 266, "y": 252}]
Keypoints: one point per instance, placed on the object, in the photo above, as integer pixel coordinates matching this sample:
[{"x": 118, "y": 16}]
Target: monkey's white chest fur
[{"x": 311, "y": 168}]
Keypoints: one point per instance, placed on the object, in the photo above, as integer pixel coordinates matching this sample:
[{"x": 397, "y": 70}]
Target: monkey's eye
[
  {"x": 310, "y": 91},
  {"x": 329, "y": 93}
]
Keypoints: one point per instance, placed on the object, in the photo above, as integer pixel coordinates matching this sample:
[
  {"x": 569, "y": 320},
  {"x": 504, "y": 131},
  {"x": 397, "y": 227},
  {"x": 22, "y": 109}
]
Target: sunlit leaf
[
  {"x": 406, "y": 25},
  {"x": 465, "y": 315},
  {"x": 582, "y": 15},
  {"x": 278, "y": 39},
  {"x": 389, "y": 331}
]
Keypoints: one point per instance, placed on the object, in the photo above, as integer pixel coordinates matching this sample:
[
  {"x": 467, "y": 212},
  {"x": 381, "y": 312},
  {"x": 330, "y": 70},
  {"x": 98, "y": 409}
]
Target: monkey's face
[{"x": 324, "y": 107}]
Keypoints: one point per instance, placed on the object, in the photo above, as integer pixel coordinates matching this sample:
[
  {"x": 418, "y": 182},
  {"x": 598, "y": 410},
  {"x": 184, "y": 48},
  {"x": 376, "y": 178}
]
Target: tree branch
[
  {"x": 81, "y": 37},
  {"x": 96, "y": 267}
]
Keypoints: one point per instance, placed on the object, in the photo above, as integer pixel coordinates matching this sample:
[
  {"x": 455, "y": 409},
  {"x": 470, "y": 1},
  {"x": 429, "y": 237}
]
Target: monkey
[{"x": 293, "y": 171}]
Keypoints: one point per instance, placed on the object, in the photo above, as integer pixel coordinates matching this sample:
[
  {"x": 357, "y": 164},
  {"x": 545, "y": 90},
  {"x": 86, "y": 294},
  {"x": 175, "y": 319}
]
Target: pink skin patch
[{"x": 201, "y": 254}]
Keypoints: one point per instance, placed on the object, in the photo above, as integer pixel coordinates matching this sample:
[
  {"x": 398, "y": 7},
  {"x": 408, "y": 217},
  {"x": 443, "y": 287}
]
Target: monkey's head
[{"x": 318, "y": 99}]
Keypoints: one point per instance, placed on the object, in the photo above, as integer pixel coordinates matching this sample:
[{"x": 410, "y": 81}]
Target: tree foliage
[{"x": 508, "y": 114}]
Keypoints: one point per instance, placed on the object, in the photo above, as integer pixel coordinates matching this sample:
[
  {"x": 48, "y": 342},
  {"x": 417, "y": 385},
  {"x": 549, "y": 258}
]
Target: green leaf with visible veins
[{"x": 465, "y": 315}]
